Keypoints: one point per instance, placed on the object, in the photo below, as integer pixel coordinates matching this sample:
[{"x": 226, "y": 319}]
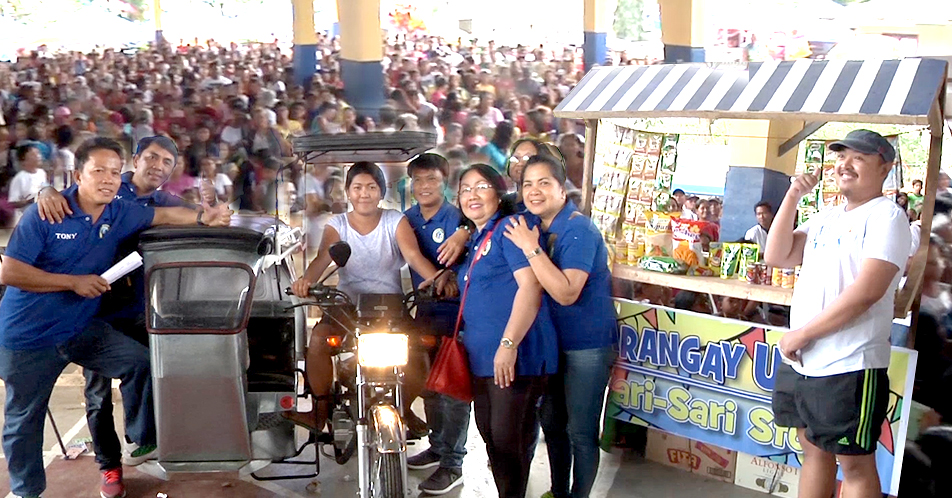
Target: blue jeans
[
  {"x": 570, "y": 414},
  {"x": 448, "y": 420},
  {"x": 446, "y": 417},
  {"x": 29, "y": 376}
]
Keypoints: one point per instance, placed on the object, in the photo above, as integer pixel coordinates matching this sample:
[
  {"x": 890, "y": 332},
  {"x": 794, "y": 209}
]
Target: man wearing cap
[
  {"x": 832, "y": 386},
  {"x": 124, "y": 306}
]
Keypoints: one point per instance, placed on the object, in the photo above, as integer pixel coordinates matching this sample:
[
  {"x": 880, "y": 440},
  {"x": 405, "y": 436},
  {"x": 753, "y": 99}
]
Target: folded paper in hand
[{"x": 123, "y": 268}]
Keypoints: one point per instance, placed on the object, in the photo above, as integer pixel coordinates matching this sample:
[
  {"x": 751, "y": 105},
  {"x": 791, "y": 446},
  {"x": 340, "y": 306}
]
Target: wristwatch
[
  {"x": 201, "y": 212},
  {"x": 507, "y": 343},
  {"x": 535, "y": 252}
]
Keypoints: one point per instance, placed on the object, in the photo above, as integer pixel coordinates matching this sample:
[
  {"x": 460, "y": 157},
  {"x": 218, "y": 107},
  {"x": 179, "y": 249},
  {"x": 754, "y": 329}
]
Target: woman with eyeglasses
[
  {"x": 522, "y": 150},
  {"x": 567, "y": 255},
  {"x": 507, "y": 331}
]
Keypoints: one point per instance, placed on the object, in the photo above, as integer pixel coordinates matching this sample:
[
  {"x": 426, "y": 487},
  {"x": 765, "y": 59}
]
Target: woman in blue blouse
[
  {"x": 572, "y": 266},
  {"x": 507, "y": 332}
]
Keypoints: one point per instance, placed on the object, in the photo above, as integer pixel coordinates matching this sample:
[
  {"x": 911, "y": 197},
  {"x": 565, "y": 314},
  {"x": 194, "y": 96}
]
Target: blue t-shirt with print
[
  {"x": 127, "y": 300},
  {"x": 573, "y": 242},
  {"x": 489, "y": 303},
  {"x": 77, "y": 246}
]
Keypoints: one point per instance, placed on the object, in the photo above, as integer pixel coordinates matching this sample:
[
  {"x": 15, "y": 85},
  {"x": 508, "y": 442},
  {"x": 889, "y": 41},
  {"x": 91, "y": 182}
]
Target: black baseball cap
[{"x": 867, "y": 142}]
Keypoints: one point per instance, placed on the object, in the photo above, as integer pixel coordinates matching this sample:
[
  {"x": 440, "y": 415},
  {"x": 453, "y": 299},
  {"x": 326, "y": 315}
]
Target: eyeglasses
[
  {"x": 479, "y": 188},
  {"x": 516, "y": 160}
]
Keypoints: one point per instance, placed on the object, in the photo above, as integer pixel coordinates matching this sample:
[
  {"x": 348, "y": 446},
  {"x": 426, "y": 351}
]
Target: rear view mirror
[{"x": 340, "y": 253}]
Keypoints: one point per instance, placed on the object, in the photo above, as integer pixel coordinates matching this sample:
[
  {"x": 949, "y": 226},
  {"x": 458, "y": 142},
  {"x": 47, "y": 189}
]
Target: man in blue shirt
[
  {"x": 47, "y": 314},
  {"x": 435, "y": 222},
  {"x": 124, "y": 307}
]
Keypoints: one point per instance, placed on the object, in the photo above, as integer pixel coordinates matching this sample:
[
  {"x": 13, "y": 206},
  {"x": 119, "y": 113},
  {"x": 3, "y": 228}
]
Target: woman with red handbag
[
  {"x": 507, "y": 331},
  {"x": 572, "y": 266}
]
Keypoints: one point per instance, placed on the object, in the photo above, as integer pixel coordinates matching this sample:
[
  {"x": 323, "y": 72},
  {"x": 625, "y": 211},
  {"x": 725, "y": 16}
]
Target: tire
[{"x": 387, "y": 476}]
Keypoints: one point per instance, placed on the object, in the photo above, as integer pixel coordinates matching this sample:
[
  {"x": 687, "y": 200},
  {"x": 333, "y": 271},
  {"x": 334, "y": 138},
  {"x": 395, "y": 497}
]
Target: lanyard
[{"x": 469, "y": 272}]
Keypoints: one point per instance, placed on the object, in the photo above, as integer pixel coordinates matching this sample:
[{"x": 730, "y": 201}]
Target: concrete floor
[{"x": 622, "y": 475}]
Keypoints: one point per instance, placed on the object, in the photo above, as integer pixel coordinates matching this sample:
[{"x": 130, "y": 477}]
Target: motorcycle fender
[{"x": 389, "y": 431}]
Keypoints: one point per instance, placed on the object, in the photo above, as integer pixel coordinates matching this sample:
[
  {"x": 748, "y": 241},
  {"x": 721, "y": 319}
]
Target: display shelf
[{"x": 709, "y": 285}]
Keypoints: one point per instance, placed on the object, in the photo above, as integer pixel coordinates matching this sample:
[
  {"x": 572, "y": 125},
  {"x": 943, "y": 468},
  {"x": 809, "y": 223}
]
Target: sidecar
[{"x": 224, "y": 343}]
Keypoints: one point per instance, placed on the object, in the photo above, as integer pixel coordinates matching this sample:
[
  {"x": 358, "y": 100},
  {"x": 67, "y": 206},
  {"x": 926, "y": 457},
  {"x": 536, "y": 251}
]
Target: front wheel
[{"x": 387, "y": 475}]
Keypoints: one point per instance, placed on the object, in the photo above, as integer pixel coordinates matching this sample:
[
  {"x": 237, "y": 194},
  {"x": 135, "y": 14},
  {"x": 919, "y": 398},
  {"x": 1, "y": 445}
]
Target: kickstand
[{"x": 59, "y": 438}]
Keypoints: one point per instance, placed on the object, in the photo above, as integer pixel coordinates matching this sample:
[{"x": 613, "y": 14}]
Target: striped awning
[{"x": 871, "y": 91}]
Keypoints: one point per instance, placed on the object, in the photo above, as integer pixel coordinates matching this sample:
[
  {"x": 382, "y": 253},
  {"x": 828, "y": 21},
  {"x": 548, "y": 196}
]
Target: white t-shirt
[
  {"x": 837, "y": 243},
  {"x": 757, "y": 234},
  {"x": 221, "y": 183},
  {"x": 24, "y": 186},
  {"x": 231, "y": 135},
  {"x": 375, "y": 259},
  {"x": 940, "y": 305},
  {"x": 687, "y": 214},
  {"x": 492, "y": 117}
]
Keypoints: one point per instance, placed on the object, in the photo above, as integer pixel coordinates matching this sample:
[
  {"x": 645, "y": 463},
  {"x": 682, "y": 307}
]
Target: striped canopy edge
[{"x": 872, "y": 91}]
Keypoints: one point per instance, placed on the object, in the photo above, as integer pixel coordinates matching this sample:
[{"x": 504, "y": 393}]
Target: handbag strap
[{"x": 462, "y": 301}]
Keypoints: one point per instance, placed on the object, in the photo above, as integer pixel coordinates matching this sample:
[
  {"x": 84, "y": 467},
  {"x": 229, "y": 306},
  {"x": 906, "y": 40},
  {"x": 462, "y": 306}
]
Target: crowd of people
[
  {"x": 214, "y": 125},
  {"x": 495, "y": 201}
]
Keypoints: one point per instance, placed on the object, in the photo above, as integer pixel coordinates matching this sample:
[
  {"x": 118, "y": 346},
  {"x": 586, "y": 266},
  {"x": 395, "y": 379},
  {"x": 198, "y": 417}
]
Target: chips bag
[
  {"x": 657, "y": 234},
  {"x": 730, "y": 259}
]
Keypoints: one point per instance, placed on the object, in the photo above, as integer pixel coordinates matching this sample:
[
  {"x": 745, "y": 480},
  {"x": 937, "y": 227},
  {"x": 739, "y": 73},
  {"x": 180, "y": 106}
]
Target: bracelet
[
  {"x": 535, "y": 252},
  {"x": 201, "y": 211}
]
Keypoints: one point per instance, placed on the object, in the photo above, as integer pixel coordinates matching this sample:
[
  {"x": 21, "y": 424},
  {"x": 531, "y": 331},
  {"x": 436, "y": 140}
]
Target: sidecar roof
[{"x": 381, "y": 147}]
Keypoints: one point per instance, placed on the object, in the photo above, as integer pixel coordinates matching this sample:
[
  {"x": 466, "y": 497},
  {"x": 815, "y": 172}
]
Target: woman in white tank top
[{"x": 381, "y": 240}]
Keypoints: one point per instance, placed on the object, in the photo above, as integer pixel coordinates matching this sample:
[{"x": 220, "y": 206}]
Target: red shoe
[{"x": 112, "y": 485}]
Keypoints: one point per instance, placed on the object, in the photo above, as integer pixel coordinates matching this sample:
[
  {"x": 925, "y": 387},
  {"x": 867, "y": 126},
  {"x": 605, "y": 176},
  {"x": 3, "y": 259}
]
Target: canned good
[
  {"x": 753, "y": 273},
  {"x": 633, "y": 253},
  {"x": 777, "y": 277},
  {"x": 765, "y": 276},
  {"x": 789, "y": 278}
]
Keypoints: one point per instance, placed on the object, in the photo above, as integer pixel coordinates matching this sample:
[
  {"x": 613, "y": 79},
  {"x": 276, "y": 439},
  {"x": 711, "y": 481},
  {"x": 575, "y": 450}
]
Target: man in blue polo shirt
[
  {"x": 435, "y": 222},
  {"x": 47, "y": 314},
  {"x": 124, "y": 307}
]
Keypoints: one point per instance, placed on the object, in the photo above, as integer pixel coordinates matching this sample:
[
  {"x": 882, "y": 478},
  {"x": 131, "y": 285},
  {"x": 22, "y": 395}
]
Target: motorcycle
[{"x": 368, "y": 411}]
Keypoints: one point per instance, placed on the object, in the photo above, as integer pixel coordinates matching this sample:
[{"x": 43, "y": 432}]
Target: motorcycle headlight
[{"x": 382, "y": 350}]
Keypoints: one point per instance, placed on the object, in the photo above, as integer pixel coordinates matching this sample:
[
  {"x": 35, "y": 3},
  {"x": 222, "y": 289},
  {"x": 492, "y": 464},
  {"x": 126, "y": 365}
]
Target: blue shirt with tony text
[{"x": 77, "y": 246}]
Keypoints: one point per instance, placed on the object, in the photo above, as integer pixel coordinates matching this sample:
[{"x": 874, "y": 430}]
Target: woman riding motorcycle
[{"x": 381, "y": 240}]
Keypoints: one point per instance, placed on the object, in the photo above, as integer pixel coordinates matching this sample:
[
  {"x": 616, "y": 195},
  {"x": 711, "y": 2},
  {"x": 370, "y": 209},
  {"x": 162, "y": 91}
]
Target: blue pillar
[
  {"x": 305, "y": 41},
  {"x": 595, "y": 49},
  {"x": 363, "y": 86},
  {"x": 304, "y": 63}
]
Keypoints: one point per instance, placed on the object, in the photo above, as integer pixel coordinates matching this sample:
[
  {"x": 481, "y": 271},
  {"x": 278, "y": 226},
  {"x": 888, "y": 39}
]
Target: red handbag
[{"x": 450, "y": 372}]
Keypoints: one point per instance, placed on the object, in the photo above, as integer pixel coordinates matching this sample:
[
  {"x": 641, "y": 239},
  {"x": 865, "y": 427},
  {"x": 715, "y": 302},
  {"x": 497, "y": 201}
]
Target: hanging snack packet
[{"x": 730, "y": 259}]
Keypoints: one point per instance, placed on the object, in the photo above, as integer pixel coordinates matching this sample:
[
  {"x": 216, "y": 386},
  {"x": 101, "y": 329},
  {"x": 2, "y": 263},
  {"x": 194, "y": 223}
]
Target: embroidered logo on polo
[
  {"x": 489, "y": 245},
  {"x": 65, "y": 236},
  {"x": 438, "y": 235},
  {"x": 103, "y": 230}
]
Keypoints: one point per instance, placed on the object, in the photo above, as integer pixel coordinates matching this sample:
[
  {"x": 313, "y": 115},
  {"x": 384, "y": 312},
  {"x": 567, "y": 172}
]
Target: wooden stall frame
[{"x": 905, "y": 297}]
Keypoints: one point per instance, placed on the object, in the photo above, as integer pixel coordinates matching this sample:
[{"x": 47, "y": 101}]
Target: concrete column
[
  {"x": 361, "y": 41},
  {"x": 157, "y": 14},
  {"x": 598, "y": 17},
  {"x": 682, "y": 30},
  {"x": 305, "y": 41},
  {"x": 756, "y": 172}
]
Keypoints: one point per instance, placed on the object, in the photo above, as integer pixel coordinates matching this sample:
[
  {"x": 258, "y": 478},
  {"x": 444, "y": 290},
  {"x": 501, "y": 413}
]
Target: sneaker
[
  {"x": 425, "y": 460},
  {"x": 112, "y": 485},
  {"x": 442, "y": 481},
  {"x": 139, "y": 455}
]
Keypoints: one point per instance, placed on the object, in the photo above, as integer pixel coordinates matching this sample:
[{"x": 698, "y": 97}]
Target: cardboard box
[
  {"x": 767, "y": 476},
  {"x": 692, "y": 456}
]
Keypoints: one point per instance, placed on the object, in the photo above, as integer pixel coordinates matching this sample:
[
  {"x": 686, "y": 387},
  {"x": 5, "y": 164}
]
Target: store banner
[{"x": 710, "y": 379}]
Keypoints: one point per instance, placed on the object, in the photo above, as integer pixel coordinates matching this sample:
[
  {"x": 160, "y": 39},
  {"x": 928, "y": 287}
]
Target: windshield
[{"x": 198, "y": 297}]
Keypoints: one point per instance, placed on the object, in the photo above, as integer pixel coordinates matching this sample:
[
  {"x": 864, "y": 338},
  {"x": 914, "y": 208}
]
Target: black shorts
[{"x": 843, "y": 414}]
